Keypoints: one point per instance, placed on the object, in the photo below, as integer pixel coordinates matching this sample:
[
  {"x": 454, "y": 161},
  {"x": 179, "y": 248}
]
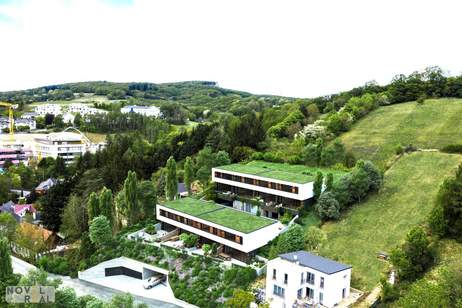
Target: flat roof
[
  {"x": 280, "y": 171},
  {"x": 318, "y": 263},
  {"x": 219, "y": 214}
]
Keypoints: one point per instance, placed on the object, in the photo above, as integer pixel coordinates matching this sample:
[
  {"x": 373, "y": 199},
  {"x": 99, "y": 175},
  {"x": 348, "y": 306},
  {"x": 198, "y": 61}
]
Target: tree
[
  {"x": 374, "y": 175},
  {"x": 206, "y": 248},
  {"x": 446, "y": 216},
  {"x": 329, "y": 182},
  {"x": 75, "y": 218},
  {"x": 188, "y": 174},
  {"x": 327, "y": 206},
  {"x": 171, "y": 187},
  {"x": 131, "y": 198},
  {"x": 291, "y": 240},
  {"x": 314, "y": 238},
  {"x": 93, "y": 206},
  {"x": 425, "y": 294},
  {"x": 189, "y": 239},
  {"x": 147, "y": 199},
  {"x": 5, "y": 186},
  {"x": 7, "y": 226},
  {"x": 415, "y": 256},
  {"x": 100, "y": 231},
  {"x": 59, "y": 167},
  {"x": 53, "y": 204},
  {"x": 240, "y": 299},
  {"x": 6, "y": 267},
  {"x": 317, "y": 185},
  {"x": 106, "y": 205}
]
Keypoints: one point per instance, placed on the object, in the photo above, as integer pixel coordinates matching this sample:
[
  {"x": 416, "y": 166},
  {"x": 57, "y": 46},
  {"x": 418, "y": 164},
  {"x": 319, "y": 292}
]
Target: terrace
[
  {"x": 299, "y": 174},
  {"x": 219, "y": 214}
]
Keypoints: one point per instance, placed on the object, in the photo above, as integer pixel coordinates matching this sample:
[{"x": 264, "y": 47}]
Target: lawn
[
  {"x": 284, "y": 172},
  {"x": 382, "y": 222},
  {"x": 219, "y": 214},
  {"x": 96, "y": 138},
  {"x": 436, "y": 123}
]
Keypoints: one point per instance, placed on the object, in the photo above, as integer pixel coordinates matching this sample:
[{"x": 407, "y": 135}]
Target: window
[
  {"x": 278, "y": 291},
  {"x": 300, "y": 293},
  {"x": 301, "y": 278},
  {"x": 343, "y": 293},
  {"x": 321, "y": 285},
  {"x": 310, "y": 293},
  {"x": 310, "y": 278},
  {"x": 321, "y": 297},
  {"x": 286, "y": 277},
  {"x": 274, "y": 273}
]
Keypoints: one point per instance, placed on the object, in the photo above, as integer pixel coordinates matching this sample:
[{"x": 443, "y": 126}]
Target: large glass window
[
  {"x": 310, "y": 278},
  {"x": 277, "y": 290}
]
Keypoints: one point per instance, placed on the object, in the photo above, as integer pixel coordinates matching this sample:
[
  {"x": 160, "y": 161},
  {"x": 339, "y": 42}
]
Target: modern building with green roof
[
  {"x": 266, "y": 187},
  {"x": 240, "y": 233}
]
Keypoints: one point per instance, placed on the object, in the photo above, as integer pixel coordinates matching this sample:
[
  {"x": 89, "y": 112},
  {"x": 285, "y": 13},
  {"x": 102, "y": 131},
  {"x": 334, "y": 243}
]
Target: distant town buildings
[
  {"x": 83, "y": 109},
  {"x": 302, "y": 279},
  {"x": 16, "y": 156},
  {"x": 44, "y": 109},
  {"x": 149, "y": 111}
]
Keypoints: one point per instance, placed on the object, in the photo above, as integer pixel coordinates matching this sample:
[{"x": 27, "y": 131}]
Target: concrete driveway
[{"x": 83, "y": 288}]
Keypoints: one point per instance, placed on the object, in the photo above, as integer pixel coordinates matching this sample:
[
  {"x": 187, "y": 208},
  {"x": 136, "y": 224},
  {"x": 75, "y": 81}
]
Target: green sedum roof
[
  {"x": 219, "y": 214},
  {"x": 284, "y": 172}
]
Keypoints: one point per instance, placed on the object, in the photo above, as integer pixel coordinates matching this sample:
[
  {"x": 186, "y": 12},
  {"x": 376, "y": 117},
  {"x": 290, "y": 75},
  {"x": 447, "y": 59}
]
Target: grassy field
[
  {"x": 433, "y": 125},
  {"x": 382, "y": 222},
  {"x": 96, "y": 138}
]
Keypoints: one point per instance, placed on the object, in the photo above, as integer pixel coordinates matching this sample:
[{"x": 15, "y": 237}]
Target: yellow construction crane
[{"x": 10, "y": 118}]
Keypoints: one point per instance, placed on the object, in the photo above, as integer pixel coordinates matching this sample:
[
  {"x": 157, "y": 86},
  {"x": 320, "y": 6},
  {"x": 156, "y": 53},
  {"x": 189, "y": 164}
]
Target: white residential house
[
  {"x": 65, "y": 144},
  {"x": 302, "y": 279},
  {"x": 84, "y": 110},
  {"x": 29, "y": 115},
  {"x": 44, "y": 109},
  {"x": 149, "y": 111},
  {"x": 68, "y": 118}
]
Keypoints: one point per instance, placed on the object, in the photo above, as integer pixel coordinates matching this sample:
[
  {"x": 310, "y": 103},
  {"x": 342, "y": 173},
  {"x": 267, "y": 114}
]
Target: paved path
[{"x": 83, "y": 288}]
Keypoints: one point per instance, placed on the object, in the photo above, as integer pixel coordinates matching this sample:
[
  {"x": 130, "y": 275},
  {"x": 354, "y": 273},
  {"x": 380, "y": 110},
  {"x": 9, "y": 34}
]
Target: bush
[
  {"x": 327, "y": 206},
  {"x": 452, "y": 148},
  {"x": 286, "y": 218},
  {"x": 189, "y": 240}
]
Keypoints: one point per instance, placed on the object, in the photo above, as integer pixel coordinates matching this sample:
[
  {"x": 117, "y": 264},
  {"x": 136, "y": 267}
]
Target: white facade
[
  {"x": 25, "y": 122},
  {"x": 68, "y": 118},
  {"x": 149, "y": 111},
  {"x": 65, "y": 144},
  {"x": 305, "y": 191},
  {"x": 44, "y": 109},
  {"x": 250, "y": 241},
  {"x": 84, "y": 110},
  {"x": 293, "y": 284}
]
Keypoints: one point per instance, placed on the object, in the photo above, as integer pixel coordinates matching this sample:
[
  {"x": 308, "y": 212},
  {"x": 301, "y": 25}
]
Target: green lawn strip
[
  {"x": 219, "y": 214},
  {"x": 284, "y": 172},
  {"x": 382, "y": 221},
  {"x": 434, "y": 124}
]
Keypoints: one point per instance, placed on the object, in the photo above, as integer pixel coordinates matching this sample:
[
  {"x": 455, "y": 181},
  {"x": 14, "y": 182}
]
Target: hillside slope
[
  {"x": 435, "y": 124},
  {"x": 382, "y": 221}
]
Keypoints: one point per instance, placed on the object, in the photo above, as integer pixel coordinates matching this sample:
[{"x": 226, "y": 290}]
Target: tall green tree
[
  {"x": 93, "y": 206},
  {"x": 188, "y": 174},
  {"x": 75, "y": 218},
  {"x": 291, "y": 240},
  {"x": 6, "y": 267},
  {"x": 171, "y": 187},
  {"x": 106, "y": 205},
  {"x": 131, "y": 198},
  {"x": 317, "y": 185},
  {"x": 147, "y": 198}
]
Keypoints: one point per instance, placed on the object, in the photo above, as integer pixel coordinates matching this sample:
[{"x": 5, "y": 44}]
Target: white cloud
[{"x": 295, "y": 48}]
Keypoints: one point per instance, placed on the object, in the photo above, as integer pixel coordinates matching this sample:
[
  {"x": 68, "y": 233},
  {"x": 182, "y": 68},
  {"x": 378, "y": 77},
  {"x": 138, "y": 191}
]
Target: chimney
[{"x": 296, "y": 259}]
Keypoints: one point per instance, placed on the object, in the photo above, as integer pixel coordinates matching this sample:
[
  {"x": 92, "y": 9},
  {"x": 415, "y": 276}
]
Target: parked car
[{"x": 152, "y": 282}]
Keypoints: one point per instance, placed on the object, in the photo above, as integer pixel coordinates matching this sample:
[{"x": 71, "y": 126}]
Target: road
[{"x": 83, "y": 288}]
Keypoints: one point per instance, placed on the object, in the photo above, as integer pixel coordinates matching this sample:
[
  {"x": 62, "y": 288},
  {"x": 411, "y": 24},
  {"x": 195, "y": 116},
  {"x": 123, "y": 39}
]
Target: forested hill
[{"x": 204, "y": 93}]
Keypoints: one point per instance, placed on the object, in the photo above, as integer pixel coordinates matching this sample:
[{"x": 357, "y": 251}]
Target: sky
[{"x": 302, "y": 48}]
